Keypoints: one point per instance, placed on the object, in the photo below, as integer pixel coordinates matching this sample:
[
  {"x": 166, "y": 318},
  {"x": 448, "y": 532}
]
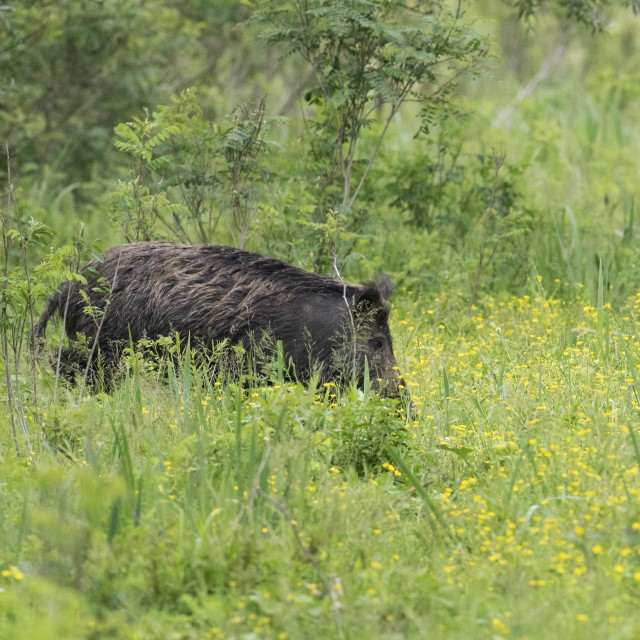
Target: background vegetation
[{"x": 485, "y": 155}]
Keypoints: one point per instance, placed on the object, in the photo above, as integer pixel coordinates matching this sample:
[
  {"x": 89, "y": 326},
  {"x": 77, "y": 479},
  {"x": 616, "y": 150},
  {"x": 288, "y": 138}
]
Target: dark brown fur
[{"x": 211, "y": 293}]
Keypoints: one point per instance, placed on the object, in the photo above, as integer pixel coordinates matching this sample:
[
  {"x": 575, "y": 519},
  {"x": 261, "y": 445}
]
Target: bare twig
[
  {"x": 5, "y": 342},
  {"x": 374, "y": 155},
  {"x": 56, "y": 380},
  {"x": 242, "y": 162},
  {"x": 346, "y": 302},
  {"x": 546, "y": 68}
]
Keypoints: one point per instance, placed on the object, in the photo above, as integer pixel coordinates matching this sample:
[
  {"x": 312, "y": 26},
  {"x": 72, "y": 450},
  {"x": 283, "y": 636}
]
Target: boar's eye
[{"x": 377, "y": 344}]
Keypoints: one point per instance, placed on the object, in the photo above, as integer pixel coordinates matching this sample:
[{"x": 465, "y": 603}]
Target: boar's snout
[
  {"x": 390, "y": 385},
  {"x": 372, "y": 317},
  {"x": 385, "y": 376}
]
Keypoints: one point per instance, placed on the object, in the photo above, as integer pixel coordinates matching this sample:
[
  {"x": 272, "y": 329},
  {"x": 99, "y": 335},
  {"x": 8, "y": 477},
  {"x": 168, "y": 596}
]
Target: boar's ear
[
  {"x": 368, "y": 297},
  {"x": 385, "y": 286}
]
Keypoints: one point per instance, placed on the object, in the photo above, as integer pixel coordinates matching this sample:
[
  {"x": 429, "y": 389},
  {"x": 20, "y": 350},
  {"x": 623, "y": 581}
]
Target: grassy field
[
  {"x": 503, "y": 503},
  {"x": 506, "y": 506}
]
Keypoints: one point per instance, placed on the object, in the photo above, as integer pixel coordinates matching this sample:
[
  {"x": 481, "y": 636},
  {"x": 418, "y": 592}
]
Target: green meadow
[{"x": 500, "y": 496}]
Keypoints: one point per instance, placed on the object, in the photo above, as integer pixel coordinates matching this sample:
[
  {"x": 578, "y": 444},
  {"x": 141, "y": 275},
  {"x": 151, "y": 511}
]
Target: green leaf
[{"x": 462, "y": 452}]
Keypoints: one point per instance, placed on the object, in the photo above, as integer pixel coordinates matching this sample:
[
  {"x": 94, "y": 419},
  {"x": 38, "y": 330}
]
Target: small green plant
[
  {"x": 187, "y": 172},
  {"x": 368, "y": 58},
  {"x": 363, "y": 430},
  {"x": 22, "y": 286}
]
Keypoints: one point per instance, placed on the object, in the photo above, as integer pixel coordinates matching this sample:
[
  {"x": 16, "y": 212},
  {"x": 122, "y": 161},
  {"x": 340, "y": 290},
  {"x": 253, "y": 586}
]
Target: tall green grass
[{"x": 186, "y": 504}]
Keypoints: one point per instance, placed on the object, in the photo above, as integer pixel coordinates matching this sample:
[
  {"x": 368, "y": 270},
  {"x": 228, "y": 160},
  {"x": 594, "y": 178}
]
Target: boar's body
[{"x": 211, "y": 293}]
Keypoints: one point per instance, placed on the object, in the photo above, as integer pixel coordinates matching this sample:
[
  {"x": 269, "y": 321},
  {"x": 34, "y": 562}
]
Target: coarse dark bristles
[{"x": 212, "y": 293}]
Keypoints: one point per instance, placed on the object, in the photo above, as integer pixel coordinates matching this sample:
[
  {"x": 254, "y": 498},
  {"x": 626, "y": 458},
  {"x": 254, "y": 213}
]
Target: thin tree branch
[
  {"x": 546, "y": 69},
  {"x": 374, "y": 155}
]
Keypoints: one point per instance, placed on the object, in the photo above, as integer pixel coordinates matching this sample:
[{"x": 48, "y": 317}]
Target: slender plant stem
[
  {"x": 15, "y": 412},
  {"x": 104, "y": 315}
]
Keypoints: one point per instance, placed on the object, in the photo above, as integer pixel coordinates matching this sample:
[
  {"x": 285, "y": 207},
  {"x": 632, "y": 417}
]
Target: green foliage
[
  {"x": 243, "y": 144},
  {"x": 70, "y": 70},
  {"x": 209, "y": 497},
  {"x": 363, "y": 432},
  {"x": 366, "y": 56},
  {"x": 446, "y": 189},
  {"x": 19, "y": 292},
  {"x": 186, "y": 505},
  {"x": 589, "y": 12},
  {"x": 187, "y": 171},
  {"x": 332, "y": 241}
]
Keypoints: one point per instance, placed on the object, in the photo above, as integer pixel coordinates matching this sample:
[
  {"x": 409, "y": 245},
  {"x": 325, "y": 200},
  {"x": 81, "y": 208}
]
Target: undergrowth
[{"x": 182, "y": 506}]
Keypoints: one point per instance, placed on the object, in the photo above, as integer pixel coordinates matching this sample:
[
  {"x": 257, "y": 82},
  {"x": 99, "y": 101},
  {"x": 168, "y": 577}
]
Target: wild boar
[{"x": 213, "y": 293}]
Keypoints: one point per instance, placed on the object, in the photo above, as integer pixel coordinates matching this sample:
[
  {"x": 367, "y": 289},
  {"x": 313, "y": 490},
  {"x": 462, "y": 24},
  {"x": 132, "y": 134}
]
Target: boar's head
[{"x": 365, "y": 335}]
